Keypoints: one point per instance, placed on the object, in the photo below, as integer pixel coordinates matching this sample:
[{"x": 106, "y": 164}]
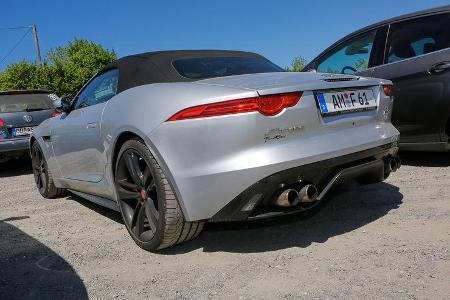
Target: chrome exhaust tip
[
  {"x": 393, "y": 165},
  {"x": 287, "y": 198},
  {"x": 308, "y": 193}
]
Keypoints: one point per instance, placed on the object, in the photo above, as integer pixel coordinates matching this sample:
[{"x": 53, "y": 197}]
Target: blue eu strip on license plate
[{"x": 322, "y": 103}]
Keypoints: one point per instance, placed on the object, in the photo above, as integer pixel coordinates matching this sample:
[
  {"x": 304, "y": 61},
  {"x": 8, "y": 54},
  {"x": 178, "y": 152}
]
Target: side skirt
[{"x": 98, "y": 200}]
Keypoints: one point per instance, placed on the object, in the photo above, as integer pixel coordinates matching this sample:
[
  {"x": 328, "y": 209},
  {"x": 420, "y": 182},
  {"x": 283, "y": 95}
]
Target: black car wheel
[
  {"x": 42, "y": 174},
  {"x": 147, "y": 202}
]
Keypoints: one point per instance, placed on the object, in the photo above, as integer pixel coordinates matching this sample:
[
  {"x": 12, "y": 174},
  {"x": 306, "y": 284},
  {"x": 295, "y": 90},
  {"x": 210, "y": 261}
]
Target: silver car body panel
[{"x": 210, "y": 161}]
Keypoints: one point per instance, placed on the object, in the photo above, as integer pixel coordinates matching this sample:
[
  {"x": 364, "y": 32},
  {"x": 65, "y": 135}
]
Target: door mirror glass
[{"x": 66, "y": 104}]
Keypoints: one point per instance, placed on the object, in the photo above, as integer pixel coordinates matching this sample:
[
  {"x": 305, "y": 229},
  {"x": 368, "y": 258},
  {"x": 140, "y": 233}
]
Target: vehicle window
[
  {"x": 208, "y": 67},
  {"x": 24, "y": 102},
  {"x": 350, "y": 57},
  {"x": 419, "y": 36},
  {"x": 99, "y": 90}
]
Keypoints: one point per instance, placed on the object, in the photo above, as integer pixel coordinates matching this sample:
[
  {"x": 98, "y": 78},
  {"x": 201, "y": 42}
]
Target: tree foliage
[
  {"x": 297, "y": 65},
  {"x": 64, "y": 70}
]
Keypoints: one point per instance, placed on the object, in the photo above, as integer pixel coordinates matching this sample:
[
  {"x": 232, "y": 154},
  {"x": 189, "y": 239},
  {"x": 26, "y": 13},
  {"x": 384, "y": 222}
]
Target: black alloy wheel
[{"x": 138, "y": 195}]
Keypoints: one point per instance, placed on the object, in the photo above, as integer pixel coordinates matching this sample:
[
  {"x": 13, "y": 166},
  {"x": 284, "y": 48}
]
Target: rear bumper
[
  {"x": 14, "y": 147},
  {"x": 364, "y": 167},
  {"x": 426, "y": 147}
]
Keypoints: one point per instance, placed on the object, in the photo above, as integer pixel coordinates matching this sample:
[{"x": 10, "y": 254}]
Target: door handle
[
  {"x": 439, "y": 68},
  {"x": 91, "y": 125}
]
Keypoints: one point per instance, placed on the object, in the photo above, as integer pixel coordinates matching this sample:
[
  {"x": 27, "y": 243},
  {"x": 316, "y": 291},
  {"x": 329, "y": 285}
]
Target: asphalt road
[{"x": 387, "y": 240}]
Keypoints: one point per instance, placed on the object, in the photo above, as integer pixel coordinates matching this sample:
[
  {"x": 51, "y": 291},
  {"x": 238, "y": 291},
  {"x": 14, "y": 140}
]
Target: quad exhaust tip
[
  {"x": 393, "y": 164},
  {"x": 292, "y": 197}
]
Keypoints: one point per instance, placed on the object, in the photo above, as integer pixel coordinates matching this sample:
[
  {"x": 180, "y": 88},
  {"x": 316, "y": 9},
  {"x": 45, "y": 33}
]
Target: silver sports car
[{"x": 176, "y": 138}]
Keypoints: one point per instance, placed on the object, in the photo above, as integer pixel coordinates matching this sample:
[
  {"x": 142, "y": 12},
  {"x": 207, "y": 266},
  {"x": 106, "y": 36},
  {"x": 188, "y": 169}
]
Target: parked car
[
  {"x": 414, "y": 52},
  {"x": 173, "y": 139},
  {"x": 20, "y": 112}
]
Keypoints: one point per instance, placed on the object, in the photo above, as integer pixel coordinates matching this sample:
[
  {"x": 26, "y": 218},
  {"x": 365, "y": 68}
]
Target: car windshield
[
  {"x": 208, "y": 67},
  {"x": 25, "y": 102}
]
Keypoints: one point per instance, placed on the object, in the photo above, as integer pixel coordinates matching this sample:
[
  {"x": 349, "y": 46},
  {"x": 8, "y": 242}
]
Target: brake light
[
  {"x": 388, "y": 90},
  {"x": 56, "y": 113},
  {"x": 268, "y": 105},
  {"x": 2, "y": 123}
]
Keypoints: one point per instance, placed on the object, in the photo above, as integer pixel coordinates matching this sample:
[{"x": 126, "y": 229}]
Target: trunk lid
[{"x": 277, "y": 82}]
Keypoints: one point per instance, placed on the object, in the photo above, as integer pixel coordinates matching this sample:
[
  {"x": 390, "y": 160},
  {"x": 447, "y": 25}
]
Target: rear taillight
[
  {"x": 388, "y": 90},
  {"x": 2, "y": 123},
  {"x": 268, "y": 105},
  {"x": 56, "y": 113}
]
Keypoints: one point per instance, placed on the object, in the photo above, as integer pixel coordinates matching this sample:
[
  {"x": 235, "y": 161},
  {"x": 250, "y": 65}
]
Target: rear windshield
[
  {"x": 208, "y": 67},
  {"x": 25, "y": 102}
]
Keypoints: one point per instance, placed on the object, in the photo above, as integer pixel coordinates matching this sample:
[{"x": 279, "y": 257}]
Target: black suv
[{"x": 414, "y": 52}]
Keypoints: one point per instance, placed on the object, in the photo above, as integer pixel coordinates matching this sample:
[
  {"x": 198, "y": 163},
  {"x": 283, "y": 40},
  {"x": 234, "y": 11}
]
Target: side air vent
[{"x": 341, "y": 79}]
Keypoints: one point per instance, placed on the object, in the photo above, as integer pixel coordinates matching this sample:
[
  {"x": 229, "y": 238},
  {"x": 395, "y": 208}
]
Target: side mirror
[{"x": 66, "y": 104}]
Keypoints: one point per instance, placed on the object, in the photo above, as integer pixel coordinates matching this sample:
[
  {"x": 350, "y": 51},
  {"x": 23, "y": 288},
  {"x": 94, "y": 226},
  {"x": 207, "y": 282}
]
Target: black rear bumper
[{"x": 363, "y": 167}]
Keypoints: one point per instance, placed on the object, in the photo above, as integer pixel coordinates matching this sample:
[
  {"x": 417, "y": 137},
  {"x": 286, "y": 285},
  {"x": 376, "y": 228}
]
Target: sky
[{"x": 279, "y": 30}]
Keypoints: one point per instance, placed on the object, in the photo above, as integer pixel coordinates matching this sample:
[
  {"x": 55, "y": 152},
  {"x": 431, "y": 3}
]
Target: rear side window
[
  {"x": 208, "y": 67},
  {"x": 25, "y": 102},
  {"x": 417, "y": 37}
]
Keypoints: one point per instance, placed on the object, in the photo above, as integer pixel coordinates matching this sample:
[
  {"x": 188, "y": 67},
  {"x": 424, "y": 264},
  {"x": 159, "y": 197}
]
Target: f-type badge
[{"x": 281, "y": 133}]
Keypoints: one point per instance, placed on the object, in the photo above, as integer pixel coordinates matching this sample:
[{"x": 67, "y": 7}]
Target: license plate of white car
[
  {"x": 345, "y": 101},
  {"x": 22, "y": 131}
]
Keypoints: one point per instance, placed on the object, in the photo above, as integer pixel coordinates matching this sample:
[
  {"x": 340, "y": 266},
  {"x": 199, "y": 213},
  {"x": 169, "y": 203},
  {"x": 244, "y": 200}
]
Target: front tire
[
  {"x": 148, "y": 205},
  {"x": 42, "y": 174}
]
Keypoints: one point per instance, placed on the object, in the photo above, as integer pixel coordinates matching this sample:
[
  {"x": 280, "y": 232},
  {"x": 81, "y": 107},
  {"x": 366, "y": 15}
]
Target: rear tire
[
  {"x": 148, "y": 205},
  {"x": 42, "y": 174}
]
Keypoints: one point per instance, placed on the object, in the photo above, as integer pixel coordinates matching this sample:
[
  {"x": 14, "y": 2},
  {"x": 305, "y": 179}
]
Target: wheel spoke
[
  {"x": 133, "y": 168},
  {"x": 152, "y": 214},
  {"x": 43, "y": 179},
  {"x": 137, "y": 221},
  {"x": 151, "y": 186},
  {"x": 147, "y": 175},
  {"x": 125, "y": 194},
  {"x": 128, "y": 185}
]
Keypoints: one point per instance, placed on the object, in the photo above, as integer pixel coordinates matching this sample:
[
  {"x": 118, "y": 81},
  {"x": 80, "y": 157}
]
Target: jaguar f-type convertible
[{"x": 173, "y": 139}]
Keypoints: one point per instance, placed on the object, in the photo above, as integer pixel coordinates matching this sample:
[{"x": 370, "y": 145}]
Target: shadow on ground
[
  {"x": 347, "y": 211},
  {"x": 16, "y": 167},
  {"x": 425, "y": 159},
  {"x": 106, "y": 212},
  {"x": 30, "y": 270}
]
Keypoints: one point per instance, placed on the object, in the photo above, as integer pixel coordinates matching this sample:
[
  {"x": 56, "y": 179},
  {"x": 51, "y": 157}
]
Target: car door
[
  {"x": 417, "y": 60},
  {"x": 76, "y": 137}
]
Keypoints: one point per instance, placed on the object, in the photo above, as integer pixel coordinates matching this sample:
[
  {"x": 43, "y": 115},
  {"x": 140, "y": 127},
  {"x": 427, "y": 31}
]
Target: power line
[
  {"x": 16, "y": 27},
  {"x": 15, "y": 46}
]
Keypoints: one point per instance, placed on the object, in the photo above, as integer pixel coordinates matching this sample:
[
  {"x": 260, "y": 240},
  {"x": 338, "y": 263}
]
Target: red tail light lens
[
  {"x": 2, "y": 123},
  {"x": 56, "y": 113},
  {"x": 388, "y": 90},
  {"x": 268, "y": 105}
]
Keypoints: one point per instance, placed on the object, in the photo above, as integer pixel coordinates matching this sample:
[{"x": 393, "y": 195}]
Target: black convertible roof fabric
[{"x": 156, "y": 67}]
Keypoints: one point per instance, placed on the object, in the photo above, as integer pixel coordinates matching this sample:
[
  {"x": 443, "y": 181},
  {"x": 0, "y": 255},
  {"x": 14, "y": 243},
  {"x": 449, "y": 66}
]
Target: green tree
[
  {"x": 297, "y": 64},
  {"x": 64, "y": 70}
]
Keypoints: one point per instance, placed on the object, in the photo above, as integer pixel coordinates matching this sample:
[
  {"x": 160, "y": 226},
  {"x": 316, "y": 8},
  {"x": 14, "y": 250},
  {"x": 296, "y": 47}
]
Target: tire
[
  {"x": 42, "y": 174},
  {"x": 149, "y": 207}
]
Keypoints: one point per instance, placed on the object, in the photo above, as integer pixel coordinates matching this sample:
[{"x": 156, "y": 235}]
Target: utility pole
[{"x": 36, "y": 42}]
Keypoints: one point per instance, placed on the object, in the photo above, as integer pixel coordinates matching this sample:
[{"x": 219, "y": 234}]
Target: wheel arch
[{"x": 130, "y": 134}]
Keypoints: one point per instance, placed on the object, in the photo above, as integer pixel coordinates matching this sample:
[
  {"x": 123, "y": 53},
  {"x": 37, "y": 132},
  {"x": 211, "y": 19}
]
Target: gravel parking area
[{"x": 387, "y": 240}]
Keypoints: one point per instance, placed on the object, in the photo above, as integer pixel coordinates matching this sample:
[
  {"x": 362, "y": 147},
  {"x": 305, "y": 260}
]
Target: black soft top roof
[{"x": 156, "y": 67}]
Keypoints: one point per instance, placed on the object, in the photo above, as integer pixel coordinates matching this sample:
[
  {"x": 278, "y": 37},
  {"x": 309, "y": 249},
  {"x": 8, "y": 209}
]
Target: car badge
[{"x": 28, "y": 118}]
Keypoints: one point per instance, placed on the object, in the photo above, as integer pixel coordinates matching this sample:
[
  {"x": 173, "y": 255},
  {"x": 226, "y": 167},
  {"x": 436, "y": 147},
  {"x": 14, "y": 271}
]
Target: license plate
[
  {"x": 345, "y": 101},
  {"x": 22, "y": 131}
]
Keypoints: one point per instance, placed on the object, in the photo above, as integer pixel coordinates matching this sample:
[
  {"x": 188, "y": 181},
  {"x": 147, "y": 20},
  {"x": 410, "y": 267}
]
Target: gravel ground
[{"x": 387, "y": 240}]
